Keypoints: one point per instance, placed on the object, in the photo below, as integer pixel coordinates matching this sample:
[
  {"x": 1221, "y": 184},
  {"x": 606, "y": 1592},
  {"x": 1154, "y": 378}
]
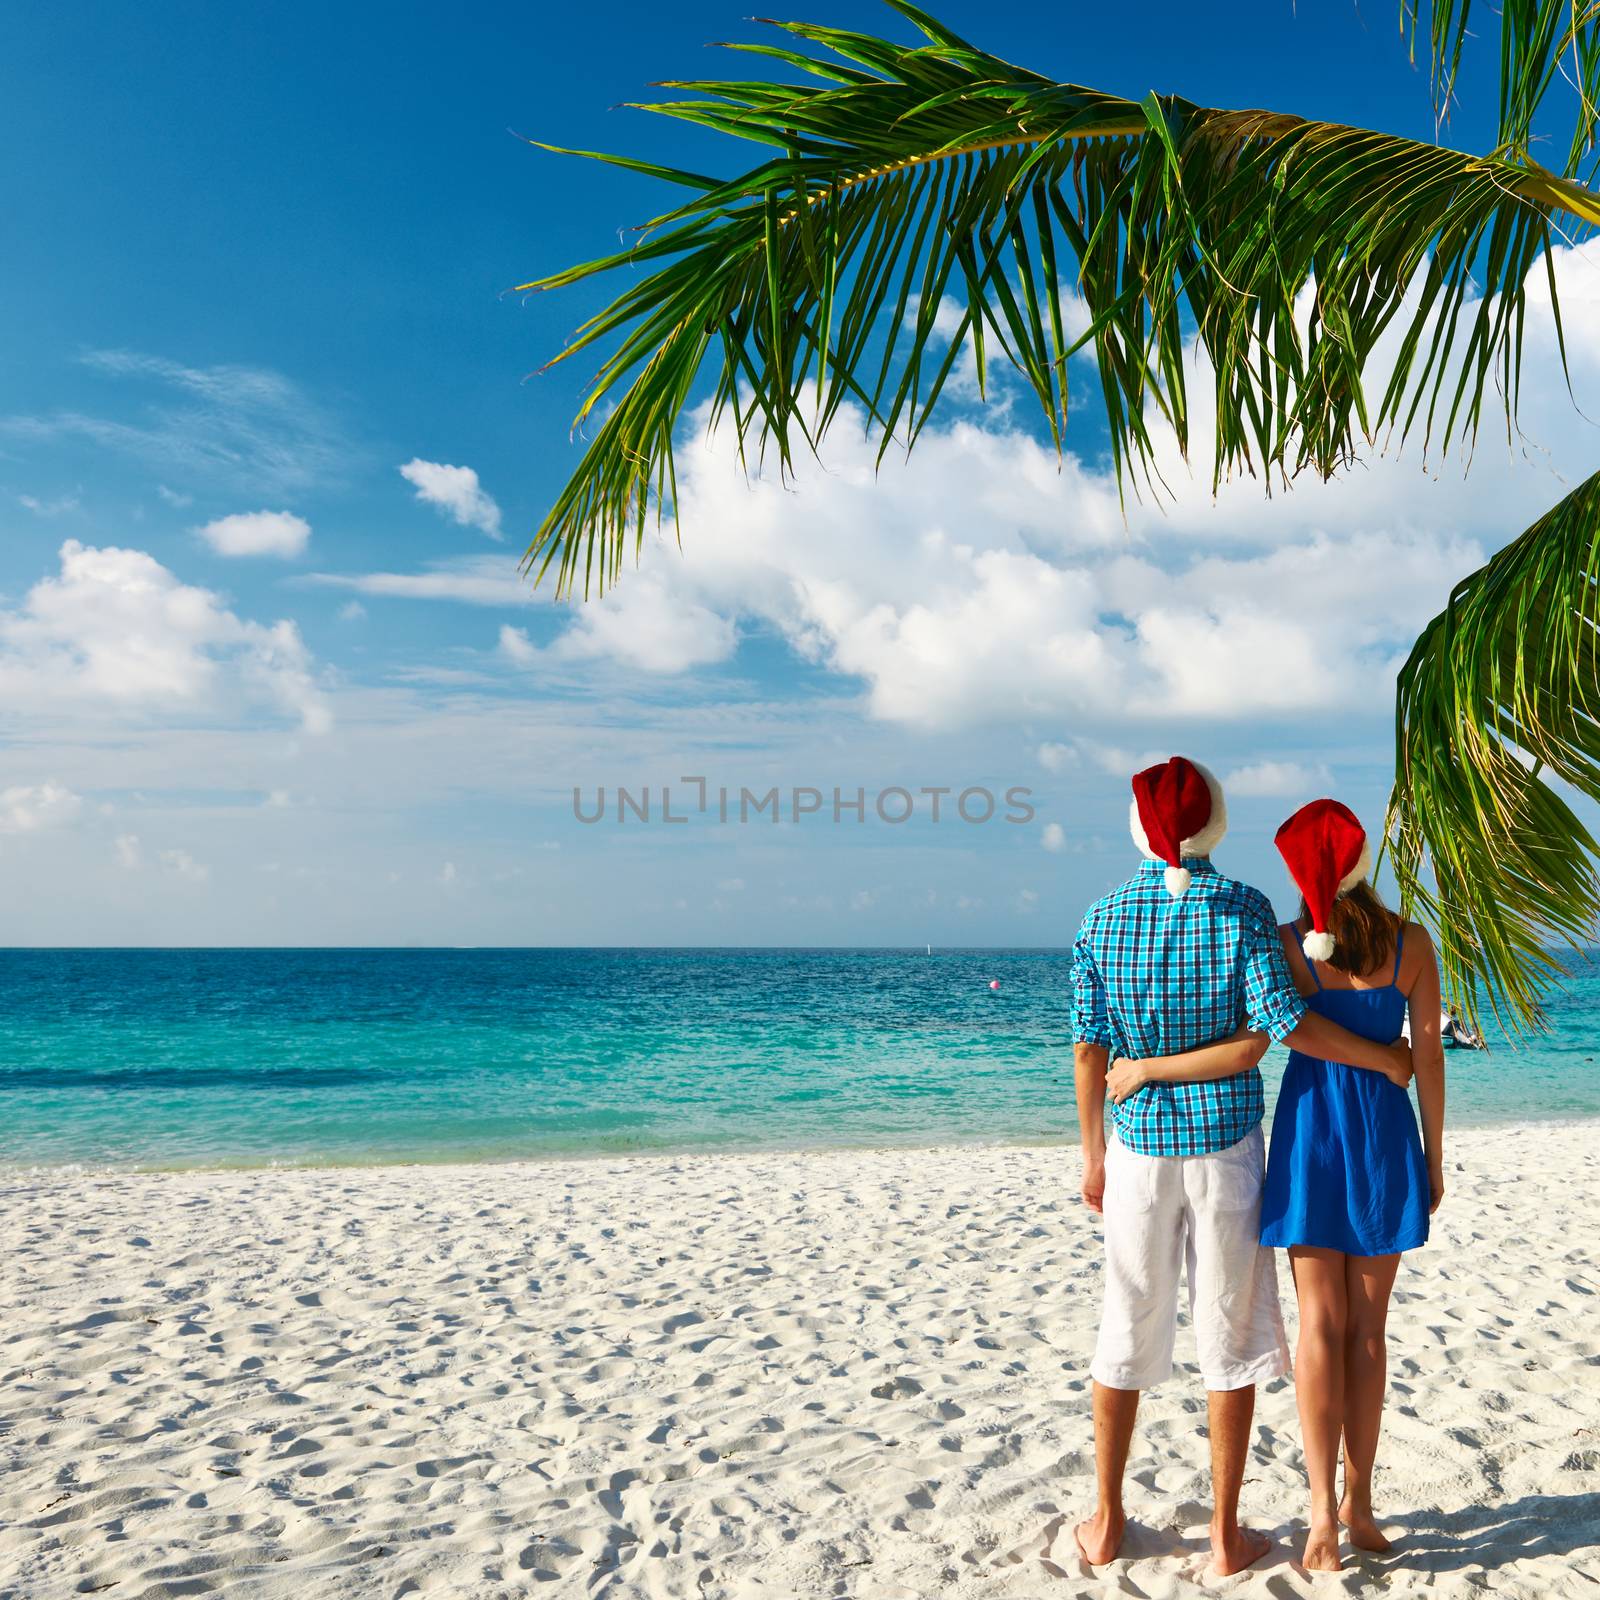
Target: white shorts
[{"x": 1160, "y": 1210}]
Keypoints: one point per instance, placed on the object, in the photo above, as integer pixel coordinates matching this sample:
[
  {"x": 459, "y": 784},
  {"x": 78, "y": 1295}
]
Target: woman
[{"x": 1349, "y": 1186}]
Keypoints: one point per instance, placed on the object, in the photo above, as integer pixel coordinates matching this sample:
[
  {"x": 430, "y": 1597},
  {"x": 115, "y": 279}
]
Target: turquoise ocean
[{"x": 181, "y": 1058}]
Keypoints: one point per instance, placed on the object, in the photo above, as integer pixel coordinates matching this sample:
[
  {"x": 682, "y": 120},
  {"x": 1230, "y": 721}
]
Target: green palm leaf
[
  {"x": 909, "y": 175},
  {"x": 1543, "y": 44},
  {"x": 1498, "y": 705}
]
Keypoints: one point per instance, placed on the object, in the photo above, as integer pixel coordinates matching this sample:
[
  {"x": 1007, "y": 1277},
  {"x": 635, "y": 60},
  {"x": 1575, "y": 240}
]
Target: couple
[{"x": 1180, "y": 978}]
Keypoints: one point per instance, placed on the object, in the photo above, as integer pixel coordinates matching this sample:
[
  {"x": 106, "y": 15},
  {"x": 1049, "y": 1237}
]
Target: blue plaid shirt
[{"x": 1155, "y": 975}]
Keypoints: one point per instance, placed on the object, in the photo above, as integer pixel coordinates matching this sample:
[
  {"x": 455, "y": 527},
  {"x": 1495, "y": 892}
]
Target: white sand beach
[{"x": 795, "y": 1375}]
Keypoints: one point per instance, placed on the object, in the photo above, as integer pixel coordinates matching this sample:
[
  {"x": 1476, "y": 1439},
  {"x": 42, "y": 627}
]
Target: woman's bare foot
[
  {"x": 1322, "y": 1549},
  {"x": 1100, "y": 1537},
  {"x": 1364, "y": 1531},
  {"x": 1233, "y": 1549}
]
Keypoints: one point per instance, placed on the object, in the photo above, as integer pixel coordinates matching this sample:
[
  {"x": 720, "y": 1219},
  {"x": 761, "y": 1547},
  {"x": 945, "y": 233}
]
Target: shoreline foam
[{"x": 13, "y": 1172}]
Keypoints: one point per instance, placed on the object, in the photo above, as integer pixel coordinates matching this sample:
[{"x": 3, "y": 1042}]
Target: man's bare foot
[
  {"x": 1100, "y": 1537},
  {"x": 1322, "y": 1550},
  {"x": 1233, "y": 1549},
  {"x": 1364, "y": 1531}
]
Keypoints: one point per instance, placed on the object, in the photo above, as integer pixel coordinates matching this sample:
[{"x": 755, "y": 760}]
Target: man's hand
[
  {"x": 1435, "y": 1188},
  {"x": 1400, "y": 1070},
  {"x": 1125, "y": 1078},
  {"x": 1094, "y": 1183}
]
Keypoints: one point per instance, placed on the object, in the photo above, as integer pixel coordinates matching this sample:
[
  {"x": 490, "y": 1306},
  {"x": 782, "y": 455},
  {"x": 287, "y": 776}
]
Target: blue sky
[{"x": 268, "y": 675}]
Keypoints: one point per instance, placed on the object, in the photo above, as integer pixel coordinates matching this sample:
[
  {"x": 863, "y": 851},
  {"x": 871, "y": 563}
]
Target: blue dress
[{"x": 1345, "y": 1170}]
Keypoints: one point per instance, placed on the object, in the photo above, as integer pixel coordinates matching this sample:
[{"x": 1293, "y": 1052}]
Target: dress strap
[
  {"x": 1311, "y": 965},
  {"x": 1399, "y": 945}
]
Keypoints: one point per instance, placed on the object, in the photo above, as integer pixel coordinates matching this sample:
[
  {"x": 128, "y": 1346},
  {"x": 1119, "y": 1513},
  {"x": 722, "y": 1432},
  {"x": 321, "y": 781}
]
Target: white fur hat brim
[{"x": 1360, "y": 870}]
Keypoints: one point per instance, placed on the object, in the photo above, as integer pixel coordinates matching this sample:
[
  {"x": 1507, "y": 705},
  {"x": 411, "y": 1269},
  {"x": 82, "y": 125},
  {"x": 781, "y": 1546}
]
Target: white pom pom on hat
[
  {"x": 1178, "y": 810},
  {"x": 1326, "y": 850}
]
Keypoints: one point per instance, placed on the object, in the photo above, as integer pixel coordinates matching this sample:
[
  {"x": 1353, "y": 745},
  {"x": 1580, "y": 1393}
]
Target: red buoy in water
[{"x": 994, "y": 983}]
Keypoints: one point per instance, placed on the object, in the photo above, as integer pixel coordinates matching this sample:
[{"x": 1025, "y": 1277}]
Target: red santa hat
[
  {"x": 1327, "y": 853},
  {"x": 1177, "y": 811}
]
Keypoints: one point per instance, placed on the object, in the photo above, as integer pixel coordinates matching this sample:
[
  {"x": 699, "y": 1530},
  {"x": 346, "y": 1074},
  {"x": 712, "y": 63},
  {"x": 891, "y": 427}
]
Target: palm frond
[
  {"x": 1544, "y": 45},
  {"x": 908, "y": 176},
  {"x": 1498, "y": 713}
]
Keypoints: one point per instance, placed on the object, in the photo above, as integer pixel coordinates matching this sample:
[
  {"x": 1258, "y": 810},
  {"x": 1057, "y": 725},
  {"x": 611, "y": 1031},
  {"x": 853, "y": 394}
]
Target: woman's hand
[
  {"x": 1125, "y": 1078},
  {"x": 1435, "y": 1188}
]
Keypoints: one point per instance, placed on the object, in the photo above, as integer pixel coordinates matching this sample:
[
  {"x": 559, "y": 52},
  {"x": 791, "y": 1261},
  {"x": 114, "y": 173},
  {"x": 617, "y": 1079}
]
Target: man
[{"x": 1177, "y": 958}]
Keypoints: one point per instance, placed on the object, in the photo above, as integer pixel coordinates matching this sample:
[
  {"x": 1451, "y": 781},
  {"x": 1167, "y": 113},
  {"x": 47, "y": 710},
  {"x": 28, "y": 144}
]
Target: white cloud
[
  {"x": 644, "y": 623},
  {"x": 517, "y": 647},
  {"x": 116, "y": 627},
  {"x": 976, "y": 581},
  {"x": 455, "y": 491},
  {"x": 980, "y": 579},
  {"x": 440, "y": 677},
  {"x": 257, "y": 533},
  {"x": 647, "y": 623},
  {"x": 352, "y": 611},
  {"x": 185, "y": 865},
  {"x": 1115, "y": 761},
  {"x": 129, "y": 856},
  {"x": 26, "y": 808},
  {"x": 246, "y": 427},
  {"x": 173, "y": 497},
  {"x": 1277, "y": 778},
  {"x": 59, "y": 507},
  {"x": 477, "y": 580},
  {"x": 1056, "y": 757},
  {"x": 1054, "y": 837}
]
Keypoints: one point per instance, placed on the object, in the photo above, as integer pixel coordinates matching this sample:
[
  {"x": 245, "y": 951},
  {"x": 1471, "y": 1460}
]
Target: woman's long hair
[{"x": 1363, "y": 930}]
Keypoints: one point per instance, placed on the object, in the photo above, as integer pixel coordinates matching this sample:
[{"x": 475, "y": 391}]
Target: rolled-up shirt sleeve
[
  {"x": 1272, "y": 1003},
  {"x": 1091, "y": 1023}
]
